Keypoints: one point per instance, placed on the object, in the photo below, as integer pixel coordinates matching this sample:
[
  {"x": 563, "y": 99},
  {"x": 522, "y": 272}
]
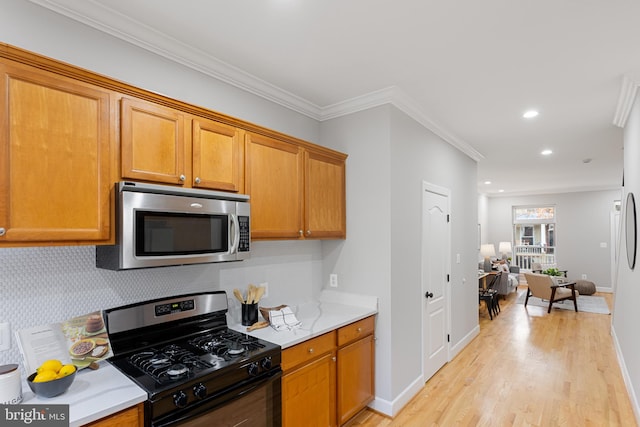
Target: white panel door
[{"x": 435, "y": 268}]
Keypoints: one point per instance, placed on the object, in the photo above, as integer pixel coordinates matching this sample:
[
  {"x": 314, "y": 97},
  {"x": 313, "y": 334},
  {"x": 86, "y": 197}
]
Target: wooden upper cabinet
[
  {"x": 325, "y": 202},
  {"x": 217, "y": 155},
  {"x": 273, "y": 180},
  {"x": 296, "y": 192},
  {"x": 55, "y": 170},
  {"x": 152, "y": 142}
]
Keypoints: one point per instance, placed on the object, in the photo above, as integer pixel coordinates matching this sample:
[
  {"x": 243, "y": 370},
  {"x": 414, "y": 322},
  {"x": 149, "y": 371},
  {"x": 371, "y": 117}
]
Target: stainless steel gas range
[{"x": 195, "y": 370}]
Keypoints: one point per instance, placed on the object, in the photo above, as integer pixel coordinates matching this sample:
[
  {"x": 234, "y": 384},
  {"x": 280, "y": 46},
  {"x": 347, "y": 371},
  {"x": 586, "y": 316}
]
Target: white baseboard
[
  {"x": 460, "y": 345},
  {"x": 391, "y": 408},
  {"x": 625, "y": 375}
]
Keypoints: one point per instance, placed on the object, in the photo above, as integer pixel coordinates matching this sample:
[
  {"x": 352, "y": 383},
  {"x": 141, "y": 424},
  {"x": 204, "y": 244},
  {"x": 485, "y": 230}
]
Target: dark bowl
[{"x": 51, "y": 388}]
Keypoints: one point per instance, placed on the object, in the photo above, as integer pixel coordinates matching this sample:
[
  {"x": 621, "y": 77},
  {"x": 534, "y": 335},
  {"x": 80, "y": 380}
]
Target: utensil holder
[{"x": 249, "y": 314}]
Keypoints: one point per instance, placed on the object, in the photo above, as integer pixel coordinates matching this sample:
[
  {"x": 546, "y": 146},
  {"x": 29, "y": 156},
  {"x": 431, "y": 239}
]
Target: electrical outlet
[
  {"x": 584, "y": 277},
  {"x": 333, "y": 280},
  {"x": 265, "y": 285}
]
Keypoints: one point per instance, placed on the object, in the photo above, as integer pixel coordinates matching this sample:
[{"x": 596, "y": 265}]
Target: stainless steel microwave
[{"x": 160, "y": 226}]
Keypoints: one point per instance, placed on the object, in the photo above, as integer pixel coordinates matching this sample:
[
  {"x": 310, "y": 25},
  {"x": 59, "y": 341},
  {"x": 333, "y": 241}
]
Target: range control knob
[
  {"x": 180, "y": 399},
  {"x": 200, "y": 391},
  {"x": 266, "y": 363},
  {"x": 253, "y": 369}
]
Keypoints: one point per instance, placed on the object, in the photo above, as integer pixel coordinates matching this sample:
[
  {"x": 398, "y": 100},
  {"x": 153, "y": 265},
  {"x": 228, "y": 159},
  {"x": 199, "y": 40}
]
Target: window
[{"x": 534, "y": 235}]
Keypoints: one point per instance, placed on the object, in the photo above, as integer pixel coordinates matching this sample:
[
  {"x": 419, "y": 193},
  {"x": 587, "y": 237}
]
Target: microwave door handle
[{"x": 236, "y": 234}]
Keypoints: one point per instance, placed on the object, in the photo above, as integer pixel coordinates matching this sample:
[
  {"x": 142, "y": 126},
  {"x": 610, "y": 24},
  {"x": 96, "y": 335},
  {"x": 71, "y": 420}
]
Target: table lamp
[
  {"x": 487, "y": 251},
  {"x": 504, "y": 248}
]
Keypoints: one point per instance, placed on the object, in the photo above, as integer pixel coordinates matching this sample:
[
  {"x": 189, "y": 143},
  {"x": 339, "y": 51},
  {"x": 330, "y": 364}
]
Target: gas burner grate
[
  {"x": 227, "y": 344},
  {"x": 169, "y": 363}
]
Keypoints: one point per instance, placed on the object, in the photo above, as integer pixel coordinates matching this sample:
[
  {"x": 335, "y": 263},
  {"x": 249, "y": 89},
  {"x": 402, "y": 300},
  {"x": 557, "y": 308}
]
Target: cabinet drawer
[
  {"x": 355, "y": 331},
  {"x": 308, "y": 350}
]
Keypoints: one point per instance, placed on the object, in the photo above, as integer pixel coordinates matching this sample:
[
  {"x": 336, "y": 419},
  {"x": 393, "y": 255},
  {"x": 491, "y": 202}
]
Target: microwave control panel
[{"x": 245, "y": 237}]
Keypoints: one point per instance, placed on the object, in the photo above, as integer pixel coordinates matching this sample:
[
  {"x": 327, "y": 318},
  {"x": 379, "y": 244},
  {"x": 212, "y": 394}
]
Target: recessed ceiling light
[
  {"x": 530, "y": 114},
  {"x": 501, "y": 191},
  {"x": 546, "y": 152},
  {"x": 487, "y": 182}
]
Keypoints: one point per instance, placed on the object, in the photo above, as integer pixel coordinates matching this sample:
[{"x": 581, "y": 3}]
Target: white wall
[
  {"x": 583, "y": 222},
  {"x": 626, "y": 316},
  {"x": 390, "y": 155},
  {"x": 31, "y": 27}
]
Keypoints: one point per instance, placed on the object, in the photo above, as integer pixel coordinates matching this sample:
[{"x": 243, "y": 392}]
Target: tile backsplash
[{"x": 41, "y": 285}]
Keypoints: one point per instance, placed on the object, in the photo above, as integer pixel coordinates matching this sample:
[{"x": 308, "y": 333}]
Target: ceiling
[{"x": 468, "y": 70}]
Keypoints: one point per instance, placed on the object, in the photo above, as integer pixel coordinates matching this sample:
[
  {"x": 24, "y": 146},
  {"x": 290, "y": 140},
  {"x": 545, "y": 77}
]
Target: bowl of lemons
[{"x": 51, "y": 379}]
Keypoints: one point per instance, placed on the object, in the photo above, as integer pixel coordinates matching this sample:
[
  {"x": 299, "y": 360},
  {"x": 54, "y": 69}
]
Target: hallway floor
[{"x": 526, "y": 368}]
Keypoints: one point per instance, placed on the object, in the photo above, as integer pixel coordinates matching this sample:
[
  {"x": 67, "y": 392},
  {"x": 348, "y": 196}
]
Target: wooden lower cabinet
[
  {"x": 355, "y": 378},
  {"x": 309, "y": 394},
  {"x": 131, "y": 417},
  {"x": 329, "y": 379}
]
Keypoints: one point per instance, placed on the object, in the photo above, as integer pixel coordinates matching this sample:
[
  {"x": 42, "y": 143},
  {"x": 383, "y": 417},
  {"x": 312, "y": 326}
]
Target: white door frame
[{"x": 432, "y": 188}]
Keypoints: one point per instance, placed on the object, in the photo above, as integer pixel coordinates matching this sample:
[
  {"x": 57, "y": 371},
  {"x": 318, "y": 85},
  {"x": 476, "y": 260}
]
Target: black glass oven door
[{"x": 256, "y": 404}]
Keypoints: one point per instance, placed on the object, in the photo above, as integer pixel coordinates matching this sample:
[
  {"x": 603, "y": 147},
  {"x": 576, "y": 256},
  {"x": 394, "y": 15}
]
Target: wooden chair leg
[{"x": 553, "y": 295}]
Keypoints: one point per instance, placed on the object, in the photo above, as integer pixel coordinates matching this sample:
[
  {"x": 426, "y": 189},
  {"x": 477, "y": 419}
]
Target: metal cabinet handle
[
  {"x": 2, "y": 231},
  {"x": 311, "y": 350},
  {"x": 308, "y": 232},
  {"x": 183, "y": 178},
  {"x": 197, "y": 180},
  {"x": 300, "y": 233},
  {"x": 359, "y": 330}
]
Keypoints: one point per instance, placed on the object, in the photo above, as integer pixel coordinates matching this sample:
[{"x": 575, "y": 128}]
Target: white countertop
[
  {"x": 105, "y": 391},
  {"x": 93, "y": 394},
  {"x": 333, "y": 310}
]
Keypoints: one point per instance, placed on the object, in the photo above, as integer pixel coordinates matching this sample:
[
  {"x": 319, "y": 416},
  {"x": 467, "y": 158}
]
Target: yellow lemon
[
  {"x": 66, "y": 370},
  {"x": 50, "y": 365},
  {"x": 44, "y": 376}
]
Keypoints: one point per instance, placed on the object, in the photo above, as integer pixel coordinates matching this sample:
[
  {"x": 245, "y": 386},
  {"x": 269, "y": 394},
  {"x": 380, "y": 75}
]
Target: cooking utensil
[
  {"x": 238, "y": 295},
  {"x": 259, "y": 294},
  {"x": 257, "y": 325}
]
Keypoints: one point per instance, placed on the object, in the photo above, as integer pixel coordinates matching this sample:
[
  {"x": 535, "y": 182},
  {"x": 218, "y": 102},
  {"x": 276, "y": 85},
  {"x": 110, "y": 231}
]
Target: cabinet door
[
  {"x": 273, "y": 179},
  {"x": 325, "y": 202},
  {"x": 216, "y": 155},
  {"x": 308, "y": 394},
  {"x": 355, "y": 378},
  {"x": 55, "y": 175},
  {"x": 132, "y": 417},
  {"x": 152, "y": 141}
]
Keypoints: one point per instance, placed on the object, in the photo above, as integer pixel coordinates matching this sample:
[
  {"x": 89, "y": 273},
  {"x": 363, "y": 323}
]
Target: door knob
[{"x": 428, "y": 295}]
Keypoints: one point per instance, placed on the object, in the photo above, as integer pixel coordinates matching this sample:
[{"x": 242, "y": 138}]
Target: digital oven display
[{"x": 174, "y": 307}]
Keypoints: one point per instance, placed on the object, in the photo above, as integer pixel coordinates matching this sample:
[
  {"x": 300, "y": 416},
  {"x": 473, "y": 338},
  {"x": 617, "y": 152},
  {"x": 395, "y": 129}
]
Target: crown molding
[
  {"x": 106, "y": 20},
  {"x": 628, "y": 91}
]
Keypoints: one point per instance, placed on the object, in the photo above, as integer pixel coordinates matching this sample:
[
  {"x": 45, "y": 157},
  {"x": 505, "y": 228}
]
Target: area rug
[{"x": 586, "y": 303}]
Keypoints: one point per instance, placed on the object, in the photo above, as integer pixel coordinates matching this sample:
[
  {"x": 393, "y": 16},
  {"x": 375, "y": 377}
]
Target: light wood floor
[{"x": 526, "y": 368}]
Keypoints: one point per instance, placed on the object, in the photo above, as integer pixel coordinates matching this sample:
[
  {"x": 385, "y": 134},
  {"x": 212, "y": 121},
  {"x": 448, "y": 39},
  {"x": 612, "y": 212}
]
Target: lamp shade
[
  {"x": 504, "y": 247},
  {"x": 488, "y": 250}
]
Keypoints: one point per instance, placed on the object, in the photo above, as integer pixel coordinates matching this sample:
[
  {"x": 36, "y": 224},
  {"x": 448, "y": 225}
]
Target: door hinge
[
  {"x": 447, "y": 278},
  {"x": 448, "y": 338},
  {"x": 448, "y": 218}
]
